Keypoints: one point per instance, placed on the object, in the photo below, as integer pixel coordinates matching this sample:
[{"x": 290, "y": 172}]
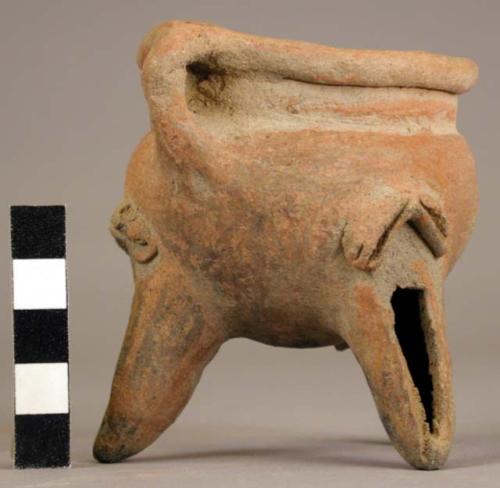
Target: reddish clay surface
[{"x": 284, "y": 193}]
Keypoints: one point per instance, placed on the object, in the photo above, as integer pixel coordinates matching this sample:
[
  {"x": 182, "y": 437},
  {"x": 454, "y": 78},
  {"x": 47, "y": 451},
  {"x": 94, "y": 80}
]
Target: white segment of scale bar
[
  {"x": 41, "y": 388},
  {"x": 39, "y": 284}
]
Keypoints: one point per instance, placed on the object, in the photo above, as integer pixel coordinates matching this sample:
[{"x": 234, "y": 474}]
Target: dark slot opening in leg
[{"x": 408, "y": 304}]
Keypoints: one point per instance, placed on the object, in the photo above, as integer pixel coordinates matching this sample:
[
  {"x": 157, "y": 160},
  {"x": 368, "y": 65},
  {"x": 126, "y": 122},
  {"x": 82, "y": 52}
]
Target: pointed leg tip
[
  {"x": 110, "y": 446},
  {"x": 432, "y": 459},
  {"x": 428, "y": 465},
  {"x": 104, "y": 456},
  {"x": 108, "y": 454}
]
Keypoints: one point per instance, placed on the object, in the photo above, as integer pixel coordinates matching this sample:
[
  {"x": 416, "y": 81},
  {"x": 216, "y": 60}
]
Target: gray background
[{"x": 71, "y": 113}]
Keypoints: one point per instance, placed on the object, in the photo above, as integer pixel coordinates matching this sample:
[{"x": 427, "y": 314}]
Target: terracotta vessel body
[{"x": 300, "y": 196}]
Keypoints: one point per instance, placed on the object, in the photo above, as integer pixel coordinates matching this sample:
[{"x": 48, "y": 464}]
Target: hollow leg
[{"x": 419, "y": 422}]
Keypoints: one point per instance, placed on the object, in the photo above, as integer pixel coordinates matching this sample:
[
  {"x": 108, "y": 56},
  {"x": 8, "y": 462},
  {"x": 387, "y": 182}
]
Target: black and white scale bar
[{"x": 38, "y": 236}]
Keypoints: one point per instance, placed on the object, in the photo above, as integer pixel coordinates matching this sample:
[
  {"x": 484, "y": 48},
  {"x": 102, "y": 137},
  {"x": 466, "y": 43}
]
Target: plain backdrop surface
[{"x": 71, "y": 113}]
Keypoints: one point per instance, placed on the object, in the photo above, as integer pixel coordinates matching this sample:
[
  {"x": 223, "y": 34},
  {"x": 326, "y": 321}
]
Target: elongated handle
[{"x": 175, "y": 52}]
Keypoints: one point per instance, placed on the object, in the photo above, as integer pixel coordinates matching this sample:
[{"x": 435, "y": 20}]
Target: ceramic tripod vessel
[{"x": 300, "y": 196}]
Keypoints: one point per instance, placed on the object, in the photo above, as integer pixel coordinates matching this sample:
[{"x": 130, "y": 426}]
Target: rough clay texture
[{"x": 284, "y": 192}]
